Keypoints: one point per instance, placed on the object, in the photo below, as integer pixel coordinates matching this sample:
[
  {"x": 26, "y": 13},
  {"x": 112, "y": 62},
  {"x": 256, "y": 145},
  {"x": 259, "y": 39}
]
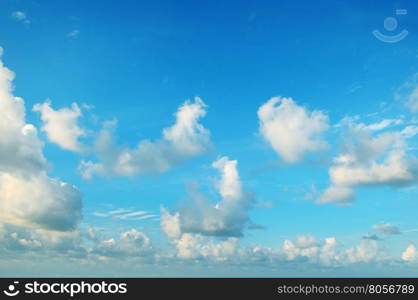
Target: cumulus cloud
[
  {"x": 39, "y": 201},
  {"x": 196, "y": 246},
  {"x": 184, "y": 140},
  {"x": 292, "y": 130},
  {"x": 130, "y": 243},
  {"x": 42, "y": 241},
  {"x": 170, "y": 223},
  {"x": 61, "y": 126},
  {"x": 228, "y": 217},
  {"x": 330, "y": 253},
  {"x": 370, "y": 158},
  {"x": 27, "y": 195},
  {"x": 366, "y": 251},
  {"x": 410, "y": 254}
]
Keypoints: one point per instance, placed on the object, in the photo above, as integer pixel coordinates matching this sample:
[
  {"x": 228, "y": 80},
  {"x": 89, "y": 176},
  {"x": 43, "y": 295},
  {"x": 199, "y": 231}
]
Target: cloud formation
[
  {"x": 61, "y": 126},
  {"x": 227, "y": 218},
  {"x": 292, "y": 130},
  {"x": 371, "y": 158},
  {"x": 130, "y": 243},
  {"x": 184, "y": 140},
  {"x": 387, "y": 229},
  {"x": 28, "y": 196},
  {"x": 410, "y": 254}
]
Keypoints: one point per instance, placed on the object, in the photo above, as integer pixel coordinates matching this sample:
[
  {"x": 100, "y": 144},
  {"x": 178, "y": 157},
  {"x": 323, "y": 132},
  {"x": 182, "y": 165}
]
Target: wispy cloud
[
  {"x": 125, "y": 214},
  {"x": 73, "y": 34},
  {"x": 20, "y": 16},
  {"x": 130, "y": 215}
]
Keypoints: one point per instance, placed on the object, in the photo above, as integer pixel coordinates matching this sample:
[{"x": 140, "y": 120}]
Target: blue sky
[{"x": 153, "y": 115}]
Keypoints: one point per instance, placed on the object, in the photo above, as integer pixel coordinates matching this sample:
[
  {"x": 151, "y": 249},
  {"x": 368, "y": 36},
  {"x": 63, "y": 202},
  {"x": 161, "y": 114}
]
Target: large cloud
[
  {"x": 371, "y": 159},
  {"x": 226, "y": 218},
  {"x": 187, "y": 138},
  {"x": 292, "y": 130},
  {"x": 61, "y": 125},
  {"x": 28, "y": 196}
]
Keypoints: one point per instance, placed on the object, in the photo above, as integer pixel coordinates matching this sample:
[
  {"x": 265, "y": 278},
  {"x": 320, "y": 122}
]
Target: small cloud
[
  {"x": 387, "y": 229},
  {"x": 370, "y": 236},
  {"x": 73, "y": 34},
  {"x": 130, "y": 215},
  {"x": 20, "y": 16},
  {"x": 125, "y": 214},
  {"x": 256, "y": 227}
]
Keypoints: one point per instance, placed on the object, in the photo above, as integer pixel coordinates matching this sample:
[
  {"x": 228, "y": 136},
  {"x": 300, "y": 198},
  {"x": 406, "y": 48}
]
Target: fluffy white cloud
[
  {"x": 130, "y": 243},
  {"x": 292, "y": 130},
  {"x": 328, "y": 252},
  {"x": 61, "y": 126},
  {"x": 20, "y": 148},
  {"x": 170, "y": 223},
  {"x": 184, "y": 140},
  {"x": 27, "y": 195},
  {"x": 39, "y": 201},
  {"x": 387, "y": 229},
  {"x": 370, "y": 159},
  {"x": 410, "y": 254},
  {"x": 228, "y": 217},
  {"x": 367, "y": 251},
  {"x": 195, "y": 246},
  {"x": 310, "y": 248}
]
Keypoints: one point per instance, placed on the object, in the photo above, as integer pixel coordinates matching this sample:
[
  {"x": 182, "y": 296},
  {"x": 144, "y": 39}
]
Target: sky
[{"x": 209, "y": 138}]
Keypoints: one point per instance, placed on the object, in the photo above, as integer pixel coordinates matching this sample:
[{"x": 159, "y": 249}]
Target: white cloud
[
  {"x": 125, "y": 214},
  {"x": 327, "y": 252},
  {"x": 196, "y": 246},
  {"x": 39, "y": 201},
  {"x": 129, "y": 243},
  {"x": 367, "y": 251},
  {"x": 370, "y": 159},
  {"x": 339, "y": 194},
  {"x": 310, "y": 248},
  {"x": 228, "y": 217},
  {"x": 184, "y": 140},
  {"x": 385, "y": 123},
  {"x": 292, "y": 130},
  {"x": 387, "y": 229},
  {"x": 27, "y": 195},
  {"x": 170, "y": 223},
  {"x": 410, "y": 254},
  {"x": 61, "y": 126},
  {"x": 42, "y": 241},
  {"x": 20, "y": 16}
]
